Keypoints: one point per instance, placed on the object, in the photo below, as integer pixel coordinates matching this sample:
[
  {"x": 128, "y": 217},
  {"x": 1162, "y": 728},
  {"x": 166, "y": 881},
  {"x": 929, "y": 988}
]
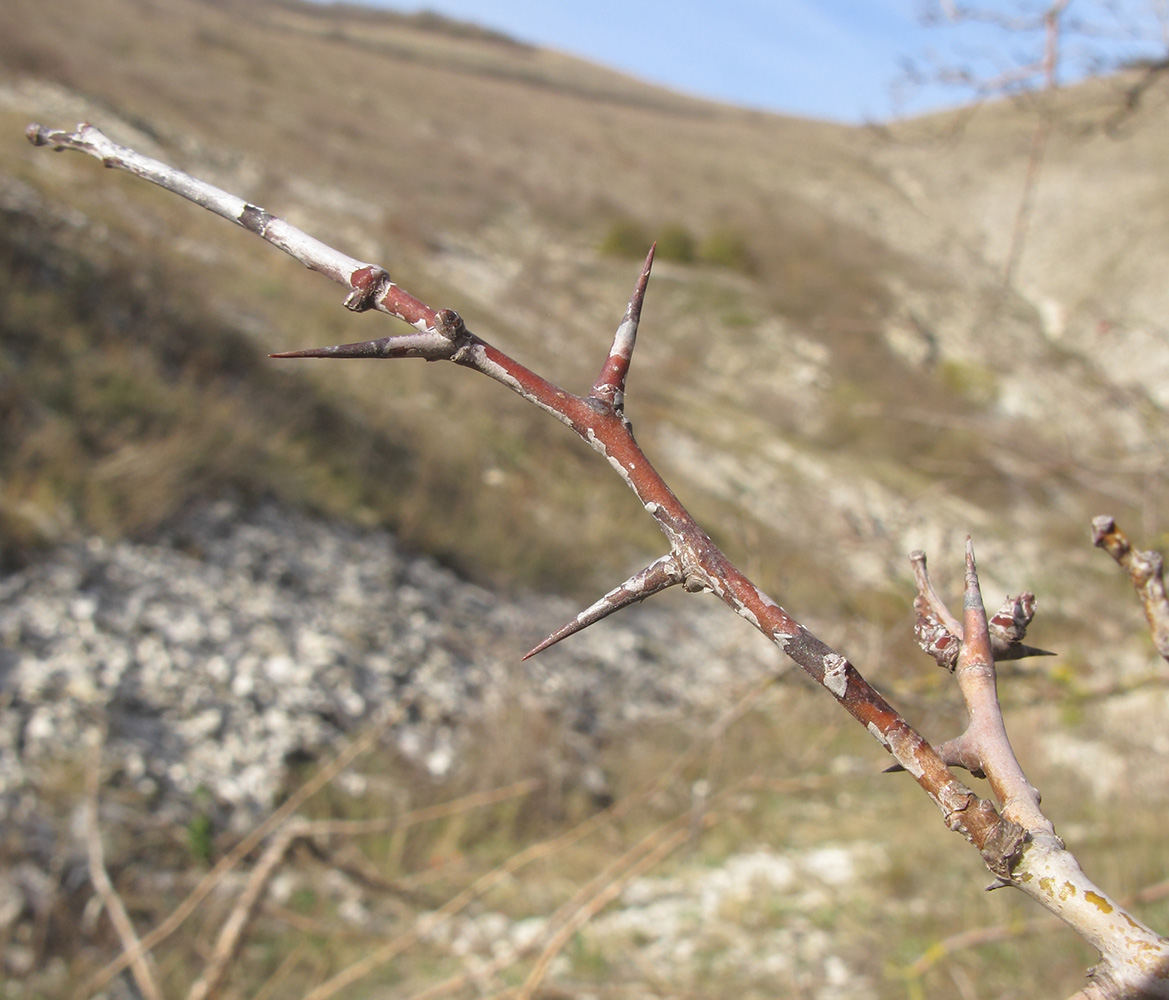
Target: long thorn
[
  {"x": 610, "y": 384},
  {"x": 440, "y": 340},
  {"x": 403, "y": 346},
  {"x": 657, "y": 576},
  {"x": 365, "y": 349},
  {"x": 976, "y": 646}
]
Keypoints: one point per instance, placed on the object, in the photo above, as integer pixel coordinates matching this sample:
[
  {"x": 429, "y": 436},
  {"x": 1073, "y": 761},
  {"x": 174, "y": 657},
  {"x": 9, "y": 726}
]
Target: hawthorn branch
[
  {"x": 1021, "y": 851},
  {"x": 1135, "y": 958}
]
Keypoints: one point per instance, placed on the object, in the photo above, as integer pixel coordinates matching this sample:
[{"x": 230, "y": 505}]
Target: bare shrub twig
[{"x": 1016, "y": 840}]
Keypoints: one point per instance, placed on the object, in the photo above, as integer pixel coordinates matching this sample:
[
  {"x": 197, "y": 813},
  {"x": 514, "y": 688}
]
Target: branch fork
[
  {"x": 1025, "y": 850},
  {"x": 1019, "y": 845}
]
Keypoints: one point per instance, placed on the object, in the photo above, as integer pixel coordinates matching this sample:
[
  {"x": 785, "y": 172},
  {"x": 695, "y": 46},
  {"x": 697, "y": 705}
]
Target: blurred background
[{"x": 910, "y": 286}]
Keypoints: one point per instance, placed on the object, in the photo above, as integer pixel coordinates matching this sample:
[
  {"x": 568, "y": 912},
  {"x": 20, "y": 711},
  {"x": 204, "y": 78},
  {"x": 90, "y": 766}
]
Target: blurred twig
[
  {"x": 231, "y": 934},
  {"x": 1144, "y": 569},
  {"x": 140, "y": 964}
]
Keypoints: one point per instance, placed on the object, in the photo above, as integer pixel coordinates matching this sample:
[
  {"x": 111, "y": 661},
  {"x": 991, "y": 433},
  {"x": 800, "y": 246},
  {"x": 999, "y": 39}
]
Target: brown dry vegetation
[
  {"x": 487, "y": 175},
  {"x": 861, "y": 386}
]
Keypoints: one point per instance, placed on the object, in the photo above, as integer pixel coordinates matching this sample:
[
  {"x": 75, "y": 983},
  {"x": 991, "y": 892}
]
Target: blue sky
[{"x": 834, "y": 59}]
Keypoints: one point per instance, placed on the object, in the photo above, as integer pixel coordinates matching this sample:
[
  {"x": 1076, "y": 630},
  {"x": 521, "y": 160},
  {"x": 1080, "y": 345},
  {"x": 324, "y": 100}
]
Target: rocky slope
[{"x": 241, "y": 642}]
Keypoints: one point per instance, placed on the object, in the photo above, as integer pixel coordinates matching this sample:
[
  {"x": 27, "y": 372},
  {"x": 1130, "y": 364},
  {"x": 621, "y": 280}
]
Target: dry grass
[
  {"x": 490, "y": 189},
  {"x": 415, "y": 888}
]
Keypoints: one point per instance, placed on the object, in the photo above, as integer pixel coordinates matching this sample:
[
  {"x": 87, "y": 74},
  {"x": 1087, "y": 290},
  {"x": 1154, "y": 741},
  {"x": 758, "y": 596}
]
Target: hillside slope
[
  {"x": 849, "y": 377},
  {"x": 829, "y": 372}
]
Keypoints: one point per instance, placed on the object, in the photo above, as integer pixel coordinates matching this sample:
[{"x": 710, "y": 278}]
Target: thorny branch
[{"x": 1019, "y": 845}]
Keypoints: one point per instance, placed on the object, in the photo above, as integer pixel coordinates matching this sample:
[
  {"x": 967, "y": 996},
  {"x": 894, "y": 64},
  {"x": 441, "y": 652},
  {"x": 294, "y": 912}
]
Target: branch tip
[
  {"x": 1145, "y": 569},
  {"x": 973, "y": 594},
  {"x": 1102, "y": 527}
]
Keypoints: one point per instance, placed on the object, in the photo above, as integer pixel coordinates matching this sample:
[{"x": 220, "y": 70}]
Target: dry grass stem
[
  {"x": 230, "y": 861},
  {"x": 663, "y": 843},
  {"x": 536, "y": 852},
  {"x": 465, "y": 803},
  {"x": 231, "y": 935},
  {"x": 140, "y": 966}
]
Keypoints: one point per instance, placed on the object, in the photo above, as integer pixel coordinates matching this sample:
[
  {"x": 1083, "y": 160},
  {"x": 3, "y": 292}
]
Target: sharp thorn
[
  {"x": 657, "y": 576},
  {"x": 972, "y": 588},
  {"x": 364, "y": 349},
  {"x": 610, "y": 384},
  {"x": 1017, "y": 651},
  {"x": 433, "y": 345}
]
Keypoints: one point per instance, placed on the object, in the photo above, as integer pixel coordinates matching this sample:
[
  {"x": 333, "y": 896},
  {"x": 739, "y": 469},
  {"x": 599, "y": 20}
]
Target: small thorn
[
  {"x": 657, "y": 576},
  {"x": 1017, "y": 651},
  {"x": 893, "y": 769},
  {"x": 959, "y": 752}
]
